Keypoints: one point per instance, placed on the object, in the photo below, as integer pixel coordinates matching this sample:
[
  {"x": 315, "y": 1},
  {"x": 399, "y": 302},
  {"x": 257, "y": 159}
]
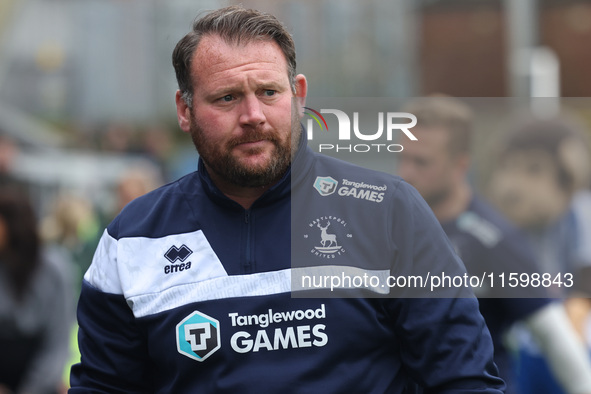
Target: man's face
[
  {"x": 525, "y": 187},
  {"x": 427, "y": 164},
  {"x": 240, "y": 119}
]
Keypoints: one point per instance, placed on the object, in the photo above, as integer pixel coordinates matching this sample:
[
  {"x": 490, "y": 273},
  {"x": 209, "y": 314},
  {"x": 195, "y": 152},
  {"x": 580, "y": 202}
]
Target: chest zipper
[{"x": 247, "y": 251}]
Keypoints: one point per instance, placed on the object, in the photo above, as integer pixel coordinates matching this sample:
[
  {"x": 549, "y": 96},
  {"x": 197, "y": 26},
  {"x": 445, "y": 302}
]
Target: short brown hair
[
  {"x": 234, "y": 24},
  {"x": 439, "y": 110}
]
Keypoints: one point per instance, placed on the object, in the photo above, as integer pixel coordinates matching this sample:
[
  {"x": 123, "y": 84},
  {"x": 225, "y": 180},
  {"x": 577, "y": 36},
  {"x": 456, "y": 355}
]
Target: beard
[
  {"x": 220, "y": 159},
  {"x": 435, "y": 198}
]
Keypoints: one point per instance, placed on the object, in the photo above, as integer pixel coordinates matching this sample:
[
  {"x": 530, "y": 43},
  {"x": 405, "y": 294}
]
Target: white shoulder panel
[
  {"x": 103, "y": 273},
  {"x": 152, "y": 265}
]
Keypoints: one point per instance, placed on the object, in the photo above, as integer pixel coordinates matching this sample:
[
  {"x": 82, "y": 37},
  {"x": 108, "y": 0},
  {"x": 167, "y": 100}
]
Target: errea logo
[
  {"x": 175, "y": 254},
  {"x": 198, "y": 336}
]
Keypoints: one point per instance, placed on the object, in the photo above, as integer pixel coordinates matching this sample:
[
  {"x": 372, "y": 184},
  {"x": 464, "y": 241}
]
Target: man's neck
[{"x": 455, "y": 203}]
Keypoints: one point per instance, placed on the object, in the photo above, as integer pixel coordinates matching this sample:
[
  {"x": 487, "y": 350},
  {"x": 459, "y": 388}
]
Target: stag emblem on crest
[{"x": 328, "y": 241}]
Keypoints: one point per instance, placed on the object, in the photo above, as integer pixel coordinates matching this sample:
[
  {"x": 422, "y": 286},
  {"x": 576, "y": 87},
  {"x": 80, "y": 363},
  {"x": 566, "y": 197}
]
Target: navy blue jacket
[{"x": 190, "y": 293}]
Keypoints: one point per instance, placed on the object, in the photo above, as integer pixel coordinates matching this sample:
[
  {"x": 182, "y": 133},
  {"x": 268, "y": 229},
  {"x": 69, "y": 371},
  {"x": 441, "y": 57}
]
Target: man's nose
[{"x": 252, "y": 111}]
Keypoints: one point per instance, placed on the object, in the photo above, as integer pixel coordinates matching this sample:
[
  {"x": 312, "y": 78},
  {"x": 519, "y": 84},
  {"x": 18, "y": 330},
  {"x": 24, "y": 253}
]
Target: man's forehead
[
  {"x": 433, "y": 134},
  {"x": 216, "y": 59},
  {"x": 214, "y": 54}
]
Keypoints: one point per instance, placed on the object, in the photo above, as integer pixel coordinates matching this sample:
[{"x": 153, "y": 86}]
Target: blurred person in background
[
  {"x": 36, "y": 303},
  {"x": 158, "y": 146},
  {"x": 72, "y": 229},
  {"x": 70, "y": 232},
  {"x": 437, "y": 165},
  {"x": 133, "y": 183},
  {"x": 542, "y": 164}
]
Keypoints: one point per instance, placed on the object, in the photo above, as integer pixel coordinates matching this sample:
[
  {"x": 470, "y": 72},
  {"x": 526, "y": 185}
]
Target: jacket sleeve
[
  {"x": 113, "y": 350},
  {"x": 445, "y": 343}
]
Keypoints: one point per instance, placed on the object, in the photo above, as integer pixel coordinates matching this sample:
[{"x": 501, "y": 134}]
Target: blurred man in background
[{"x": 437, "y": 165}]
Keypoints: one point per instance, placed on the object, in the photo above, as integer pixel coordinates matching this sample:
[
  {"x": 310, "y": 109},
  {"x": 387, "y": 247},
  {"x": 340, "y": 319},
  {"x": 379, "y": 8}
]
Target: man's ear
[
  {"x": 301, "y": 90},
  {"x": 463, "y": 162},
  {"x": 183, "y": 112}
]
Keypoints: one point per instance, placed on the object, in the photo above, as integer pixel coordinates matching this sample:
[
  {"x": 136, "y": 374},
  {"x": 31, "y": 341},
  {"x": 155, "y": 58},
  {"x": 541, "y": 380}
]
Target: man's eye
[
  {"x": 269, "y": 92},
  {"x": 227, "y": 98}
]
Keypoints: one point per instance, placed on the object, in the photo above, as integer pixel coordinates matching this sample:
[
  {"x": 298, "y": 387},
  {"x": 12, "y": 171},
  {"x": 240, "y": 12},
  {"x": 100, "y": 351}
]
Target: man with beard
[
  {"x": 437, "y": 165},
  {"x": 190, "y": 289}
]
